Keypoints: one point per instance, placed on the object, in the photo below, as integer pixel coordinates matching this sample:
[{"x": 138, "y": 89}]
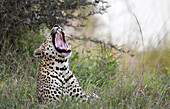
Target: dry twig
[{"x": 98, "y": 41}]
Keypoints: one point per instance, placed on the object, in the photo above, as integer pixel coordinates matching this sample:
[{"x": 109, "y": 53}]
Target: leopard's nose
[
  {"x": 58, "y": 28},
  {"x": 56, "y": 25}
]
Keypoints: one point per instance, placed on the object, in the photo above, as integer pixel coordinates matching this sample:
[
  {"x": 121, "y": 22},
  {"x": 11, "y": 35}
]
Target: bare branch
[{"x": 98, "y": 41}]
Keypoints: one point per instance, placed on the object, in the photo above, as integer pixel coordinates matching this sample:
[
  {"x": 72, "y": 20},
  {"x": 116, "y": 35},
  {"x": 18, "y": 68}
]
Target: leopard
[{"x": 54, "y": 79}]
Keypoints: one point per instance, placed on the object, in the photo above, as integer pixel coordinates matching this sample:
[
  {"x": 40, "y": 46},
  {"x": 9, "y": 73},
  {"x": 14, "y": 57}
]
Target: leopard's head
[{"x": 54, "y": 44}]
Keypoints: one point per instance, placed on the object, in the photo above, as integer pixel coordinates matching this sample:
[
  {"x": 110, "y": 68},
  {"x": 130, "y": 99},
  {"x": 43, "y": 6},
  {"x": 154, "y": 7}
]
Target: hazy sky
[{"x": 153, "y": 16}]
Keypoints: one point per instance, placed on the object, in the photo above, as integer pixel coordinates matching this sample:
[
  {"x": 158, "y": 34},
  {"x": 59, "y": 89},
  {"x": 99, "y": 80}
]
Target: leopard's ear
[{"x": 37, "y": 52}]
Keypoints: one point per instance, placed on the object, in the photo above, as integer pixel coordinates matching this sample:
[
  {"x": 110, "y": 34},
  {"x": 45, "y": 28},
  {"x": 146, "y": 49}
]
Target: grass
[{"x": 119, "y": 82}]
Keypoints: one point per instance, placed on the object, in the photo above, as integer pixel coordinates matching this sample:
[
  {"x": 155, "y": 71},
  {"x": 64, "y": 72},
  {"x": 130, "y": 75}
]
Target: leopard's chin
[
  {"x": 63, "y": 50},
  {"x": 68, "y": 54}
]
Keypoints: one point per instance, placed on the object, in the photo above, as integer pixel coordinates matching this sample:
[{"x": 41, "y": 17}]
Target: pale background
[{"x": 119, "y": 26}]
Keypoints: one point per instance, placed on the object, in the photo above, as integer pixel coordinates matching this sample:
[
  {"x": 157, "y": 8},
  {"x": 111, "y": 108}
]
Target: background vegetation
[{"x": 121, "y": 81}]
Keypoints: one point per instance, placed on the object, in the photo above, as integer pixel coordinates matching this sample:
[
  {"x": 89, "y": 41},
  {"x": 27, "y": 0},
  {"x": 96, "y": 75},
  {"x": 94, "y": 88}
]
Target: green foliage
[
  {"x": 17, "y": 15},
  {"x": 96, "y": 69}
]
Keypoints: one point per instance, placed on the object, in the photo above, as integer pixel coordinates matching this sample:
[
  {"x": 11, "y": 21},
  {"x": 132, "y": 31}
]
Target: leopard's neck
[{"x": 55, "y": 64}]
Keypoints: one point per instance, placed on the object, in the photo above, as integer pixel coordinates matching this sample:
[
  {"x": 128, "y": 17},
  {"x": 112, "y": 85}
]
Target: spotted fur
[{"x": 55, "y": 81}]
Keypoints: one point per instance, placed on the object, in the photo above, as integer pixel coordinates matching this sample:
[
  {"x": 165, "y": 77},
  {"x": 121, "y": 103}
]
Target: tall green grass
[{"x": 117, "y": 82}]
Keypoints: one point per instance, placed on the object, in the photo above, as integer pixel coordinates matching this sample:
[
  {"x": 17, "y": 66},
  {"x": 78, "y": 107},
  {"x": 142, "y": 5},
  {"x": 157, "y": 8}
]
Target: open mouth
[{"x": 59, "y": 42}]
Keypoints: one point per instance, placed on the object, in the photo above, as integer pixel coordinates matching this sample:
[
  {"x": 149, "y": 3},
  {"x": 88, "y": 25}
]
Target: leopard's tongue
[{"x": 59, "y": 42}]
